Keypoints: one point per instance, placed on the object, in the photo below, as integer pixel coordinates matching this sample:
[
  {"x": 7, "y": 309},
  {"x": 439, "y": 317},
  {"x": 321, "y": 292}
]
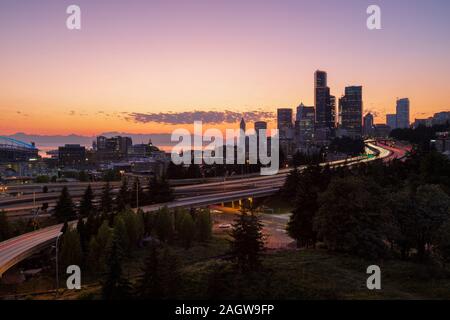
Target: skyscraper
[
  {"x": 391, "y": 121},
  {"x": 368, "y": 124},
  {"x": 242, "y": 125},
  {"x": 285, "y": 130},
  {"x": 284, "y": 121},
  {"x": 260, "y": 125},
  {"x": 402, "y": 113},
  {"x": 324, "y": 103},
  {"x": 304, "y": 125},
  {"x": 350, "y": 111}
]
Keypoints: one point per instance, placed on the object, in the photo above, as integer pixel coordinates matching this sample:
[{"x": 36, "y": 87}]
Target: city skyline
[{"x": 132, "y": 62}]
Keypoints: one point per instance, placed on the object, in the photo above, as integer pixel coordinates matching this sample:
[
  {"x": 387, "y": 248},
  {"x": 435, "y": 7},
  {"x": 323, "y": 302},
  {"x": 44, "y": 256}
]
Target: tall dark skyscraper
[
  {"x": 350, "y": 111},
  {"x": 402, "y": 113},
  {"x": 368, "y": 124},
  {"x": 285, "y": 130},
  {"x": 242, "y": 125},
  {"x": 304, "y": 125},
  {"x": 325, "y": 103}
]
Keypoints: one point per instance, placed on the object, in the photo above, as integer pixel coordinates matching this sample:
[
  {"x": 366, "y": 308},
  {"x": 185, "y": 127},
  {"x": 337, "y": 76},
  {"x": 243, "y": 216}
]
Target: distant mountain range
[{"x": 53, "y": 141}]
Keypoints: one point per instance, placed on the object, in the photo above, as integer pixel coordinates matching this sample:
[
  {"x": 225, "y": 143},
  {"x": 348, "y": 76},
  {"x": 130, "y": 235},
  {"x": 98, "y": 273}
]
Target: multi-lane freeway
[{"x": 17, "y": 249}]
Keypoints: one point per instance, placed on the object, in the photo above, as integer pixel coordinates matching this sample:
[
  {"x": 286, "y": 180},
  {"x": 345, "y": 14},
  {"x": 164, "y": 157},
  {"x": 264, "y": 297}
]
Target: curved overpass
[{"x": 19, "y": 248}]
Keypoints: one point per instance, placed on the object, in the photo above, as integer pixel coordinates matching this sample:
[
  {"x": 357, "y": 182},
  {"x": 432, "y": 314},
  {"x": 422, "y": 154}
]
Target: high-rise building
[
  {"x": 260, "y": 125},
  {"x": 113, "y": 148},
  {"x": 284, "y": 121},
  {"x": 350, "y": 111},
  {"x": 325, "y": 104},
  {"x": 242, "y": 125},
  {"x": 285, "y": 130},
  {"x": 368, "y": 124},
  {"x": 72, "y": 155},
  {"x": 304, "y": 125},
  {"x": 391, "y": 121},
  {"x": 403, "y": 113}
]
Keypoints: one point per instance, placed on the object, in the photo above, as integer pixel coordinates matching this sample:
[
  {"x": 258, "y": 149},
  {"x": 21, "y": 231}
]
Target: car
[{"x": 225, "y": 226}]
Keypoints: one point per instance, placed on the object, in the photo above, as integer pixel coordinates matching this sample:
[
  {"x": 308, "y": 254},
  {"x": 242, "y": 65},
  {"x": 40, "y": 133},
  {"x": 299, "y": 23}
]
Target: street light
[{"x": 57, "y": 269}]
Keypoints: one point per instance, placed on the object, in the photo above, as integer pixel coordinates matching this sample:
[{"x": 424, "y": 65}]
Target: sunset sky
[{"x": 134, "y": 59}]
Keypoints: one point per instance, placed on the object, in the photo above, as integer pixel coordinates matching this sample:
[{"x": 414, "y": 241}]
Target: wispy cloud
[{"x": 213, "y": 117}]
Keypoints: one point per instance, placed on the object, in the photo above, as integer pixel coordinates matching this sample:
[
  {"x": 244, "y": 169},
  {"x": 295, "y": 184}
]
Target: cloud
[{"x": 213, "y": 117}]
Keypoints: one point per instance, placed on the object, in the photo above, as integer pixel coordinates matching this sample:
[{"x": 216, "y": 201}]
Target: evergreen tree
[
  {"x": 169, "y": 274},
  {"x": 152, "y": 190},
  {"x": 164, "y": 225},
  {"x": 93, "y": 260},
  {"x": 134, "y": 227},
  {"x": 70, "y": 252},
  {"x": 115, "y": 286},
  {"x": 300, "y": 225},
  {"x": 149, "y": 285},
  {"x": 120, "y": 232},
  {"x": 289, "y": 189},
  {"x": 442, "y": 243},
  {"x": 86, "y": 203},
  {"x": 98, "y": 248},
  {"x": 5, "y": 227},
  {"x": 65, "y": 209},
  {"x": 165, "y": 193},
  {"x": 247, "y": 242},
  {"x": 203, "y": 226},
  {"x": 82, "y": 233},
  {"x": 187, "y": 231},
  {"x": 106, "y": 202},
  {"x": 123, "y": 197},
  {"x": 352, "y": 217}
]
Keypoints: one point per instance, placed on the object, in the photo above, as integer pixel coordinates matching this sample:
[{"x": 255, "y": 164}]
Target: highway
[{"x": 17, "y": 249}]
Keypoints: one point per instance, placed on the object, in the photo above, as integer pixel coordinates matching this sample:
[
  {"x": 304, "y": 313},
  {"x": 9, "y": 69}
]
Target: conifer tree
[{"x": 65, "y": 209}]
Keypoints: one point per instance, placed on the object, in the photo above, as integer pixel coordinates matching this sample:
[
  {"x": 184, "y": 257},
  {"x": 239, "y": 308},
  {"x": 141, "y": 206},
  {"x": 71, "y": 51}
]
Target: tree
[
  {"x": 5, "y": 227},
  {"x": 187, "y": 230},
  {"x": 203, "y": 226},
  {"x": 169, "y": 274},
  {"x": 134, "y": 228},
  {"x": 164, "y": 225},
  {"x": 247, "y": 242},
  {"x": 70, "y": 252},
  {"x": 120, "y": 232},
  {"x": 83, "y": 176},
  {"x": 289, "y": 189},
  {"x": 432, "y": 206},
  {"x": 98, "y": 248},
  {"x": 300, "y": 225},
  {"x": 159, "y": 191},
  {"x": 149, "y": 286},
  {"x": 82, "y": 233},
  {"x": 352, "y": 217},
  {"x": 115, "y": 286},
  {"x": 165, "y": 193},
  {"x": 175, "y": 171},
  {"x": 86, "y": 203},
  {"x": 442, "y": 243},
  {"x": 106, "y": 202},
  {"x": 310, "y": 182},
  {"x": 123, "y": 197},
  {"x": 64, "y": 210}
]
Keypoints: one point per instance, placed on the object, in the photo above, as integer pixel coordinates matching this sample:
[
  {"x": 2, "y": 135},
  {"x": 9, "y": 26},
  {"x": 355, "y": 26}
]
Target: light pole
[
  {"x": 57, "y": 268},
  {"x": 137, "y": 193}
]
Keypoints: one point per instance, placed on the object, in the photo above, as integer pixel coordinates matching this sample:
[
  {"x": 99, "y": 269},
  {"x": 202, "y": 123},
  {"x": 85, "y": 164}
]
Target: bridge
[{"x": 19, "y": 248}]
